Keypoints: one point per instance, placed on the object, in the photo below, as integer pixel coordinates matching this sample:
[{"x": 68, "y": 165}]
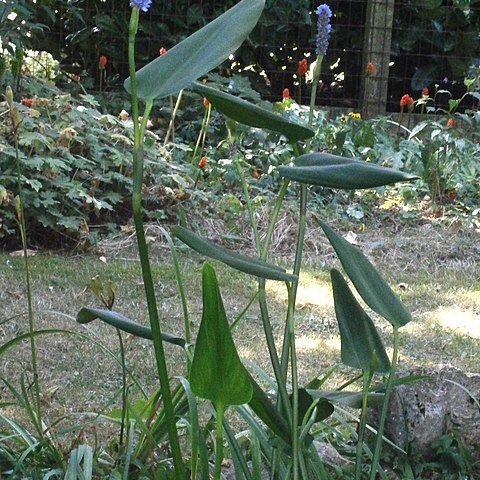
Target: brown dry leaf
[
  {"x": 19, "y": 253},
  {"x": 17, "y": 293}
]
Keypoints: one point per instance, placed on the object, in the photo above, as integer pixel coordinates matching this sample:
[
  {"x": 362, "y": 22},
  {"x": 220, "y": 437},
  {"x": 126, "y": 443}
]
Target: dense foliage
[{"x": 432, "y": 40}]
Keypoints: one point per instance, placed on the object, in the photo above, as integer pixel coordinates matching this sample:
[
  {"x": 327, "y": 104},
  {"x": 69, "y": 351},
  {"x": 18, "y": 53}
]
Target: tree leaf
[
  {"x": 217, "y": 372},
  {"x": 370, "y": 285},
  {"x": 340, "y": 172},
  {"x": 249, "y": 114},
  {"x": 197, "y": 54},
  {"x": 360, "y": 340},
  {"x": 252, "y": 266},
  {"x": 117, "y": 320}
]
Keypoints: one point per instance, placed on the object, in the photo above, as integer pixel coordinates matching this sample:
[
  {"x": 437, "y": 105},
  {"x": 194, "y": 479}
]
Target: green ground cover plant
[{"x": 163, "y": 435}]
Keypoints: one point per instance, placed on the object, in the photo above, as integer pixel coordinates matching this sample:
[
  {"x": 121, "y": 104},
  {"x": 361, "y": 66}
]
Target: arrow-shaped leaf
[
  {"x": 217, "y": 372},
  {"x": 197, "y": 54},
  {"x": 252, "y": 266},
  {"x": 117, "y": 320},
  {"x": 339, "y": 172},
  {"x": 360, "y": 340},
  {"x": 249, "y": 114},
  {"x": 370, "y": 285}
]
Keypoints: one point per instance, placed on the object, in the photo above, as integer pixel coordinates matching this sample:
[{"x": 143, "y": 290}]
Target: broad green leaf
[
  {"x": 117, "y": 320},
  {"x": 266, "y": 411},
  {"x": 252, "y": 115},
  {"x": 217, "y": 372},
  {"x": 339, "y": 172},
  {"x": 252, "y": 266},
  {"x": 360, "y": 340},
  {"x": 370, "y": 285},
  {"x": 197, "y": 54},
  {"x": 323, "y": 159}
]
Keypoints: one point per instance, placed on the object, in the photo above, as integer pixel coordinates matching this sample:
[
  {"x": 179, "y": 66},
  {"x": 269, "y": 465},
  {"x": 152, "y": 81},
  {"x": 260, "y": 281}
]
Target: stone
[{"x": 424, "y": 410}]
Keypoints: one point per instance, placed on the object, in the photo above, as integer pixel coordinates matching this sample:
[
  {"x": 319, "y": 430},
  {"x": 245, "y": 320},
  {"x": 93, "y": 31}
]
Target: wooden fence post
[{"x": 377, "y": 44}]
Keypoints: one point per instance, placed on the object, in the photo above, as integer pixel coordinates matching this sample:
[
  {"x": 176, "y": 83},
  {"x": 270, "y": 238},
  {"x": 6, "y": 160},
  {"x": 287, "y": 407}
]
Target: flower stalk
[{"x": 139, "y": 132}]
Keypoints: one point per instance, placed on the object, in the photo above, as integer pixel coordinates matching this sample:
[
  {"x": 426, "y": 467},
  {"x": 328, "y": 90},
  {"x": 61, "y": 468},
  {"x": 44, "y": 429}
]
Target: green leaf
[
  {"x": 217, "y": 372},
  {"x": 197, "y": 54},
  {"x": 360, "y": 340},
  {"x": 252, "y": 266},
  {"x": 266, "y": 411},
  {"x": 305, "y": 401},
  {"x": 370, "y": 285},
  {"x": 117, "y": 320},
  {"x": 252, "y": 115},
  {"x": 349, "y": 399},
  {"x": 340, "y": 172}
]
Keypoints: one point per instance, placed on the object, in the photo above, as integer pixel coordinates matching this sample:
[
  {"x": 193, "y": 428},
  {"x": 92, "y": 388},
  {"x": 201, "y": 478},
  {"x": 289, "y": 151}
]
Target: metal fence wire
[{"x": 412, "y": 45}]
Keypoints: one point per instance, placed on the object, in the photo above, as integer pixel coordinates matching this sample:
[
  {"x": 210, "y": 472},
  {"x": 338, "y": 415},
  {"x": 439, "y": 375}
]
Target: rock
[
  {"x": 425, "y": 410},
  {"x": 328, "y": 454}
]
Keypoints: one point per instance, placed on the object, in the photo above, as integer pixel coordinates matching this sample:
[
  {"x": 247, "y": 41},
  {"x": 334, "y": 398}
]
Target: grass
[{"x": 434, "y": 270}]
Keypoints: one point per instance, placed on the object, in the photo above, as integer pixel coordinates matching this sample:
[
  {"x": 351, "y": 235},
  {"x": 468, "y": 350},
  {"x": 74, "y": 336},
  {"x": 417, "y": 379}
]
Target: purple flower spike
[
  {"x": 143, "y": 5},
  {"x": 324, "y": 29}
]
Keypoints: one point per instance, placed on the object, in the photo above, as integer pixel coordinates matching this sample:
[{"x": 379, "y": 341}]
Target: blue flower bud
[
  {"x": 324, "y": 29},
  {"x": 143, "y": 5}
]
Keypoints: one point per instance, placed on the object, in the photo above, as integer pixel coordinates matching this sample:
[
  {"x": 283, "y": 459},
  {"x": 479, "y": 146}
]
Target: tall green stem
[
  {"x": 219, "y": 442},
  {"x": 31, "y": 326},
  {"x": 171, "y": 125},
  {"x": 143, "y": 254},
  {"x": 273, "y": 220},
  {"x": 251, "y": 216},
  {"x": 363, "y": 421},
  {"x": 272, "y": 350},
  {"x": 386, "y": 398},
  {"x": 313, "y": 96}
]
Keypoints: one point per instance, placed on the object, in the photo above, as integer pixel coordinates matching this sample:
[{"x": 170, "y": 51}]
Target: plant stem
[
  {"x": 171, "y": 125},
  {"x": 200, "y": 136},
  {"x": 124, "y": 387},
  {"x": 219, "y": 442},
  {"x": 313, "y": 96},
  {"x": 31, "y": 326},
  {"x": 183, "y": 299},
  {"x": 386, "y": 398},
  {"x": 272, "y": 350},
  {"x": 143, "y": 254},
  {"x": 290, "y": 332},
  {"x": 361, "y": 427},
  {"x": 273, "y": 220},
  {"x": 251, "y": 216}
]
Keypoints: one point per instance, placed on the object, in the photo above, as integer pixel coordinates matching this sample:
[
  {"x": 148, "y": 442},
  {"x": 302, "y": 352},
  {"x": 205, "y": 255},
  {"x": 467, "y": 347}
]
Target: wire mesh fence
[{"x": 412, "y": 45}]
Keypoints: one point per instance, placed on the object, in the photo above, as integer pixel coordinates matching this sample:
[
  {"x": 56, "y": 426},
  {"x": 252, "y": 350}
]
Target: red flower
[
  {"x": 450, "y": 122},
  {"x": 425, "y": 92},
  {"x": 451, "y": 196},
  {"x": 102, "y": 62},
  {"x": 206, "y": 103},
  {"x": 27, "y": 102},
  {"x": 162, "y": 51},
  {"x": 406, "y": 100},
  {"x": 370, "y": 68},
  {"x": 202, "y": 162},
  {"x": 286, "y": 93},
  {"x": 302, "y": 67}
]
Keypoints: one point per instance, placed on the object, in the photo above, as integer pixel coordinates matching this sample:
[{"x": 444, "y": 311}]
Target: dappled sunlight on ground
[
  {"x": 464, "y": 322},
  {"x": 311, "y": 292}
]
